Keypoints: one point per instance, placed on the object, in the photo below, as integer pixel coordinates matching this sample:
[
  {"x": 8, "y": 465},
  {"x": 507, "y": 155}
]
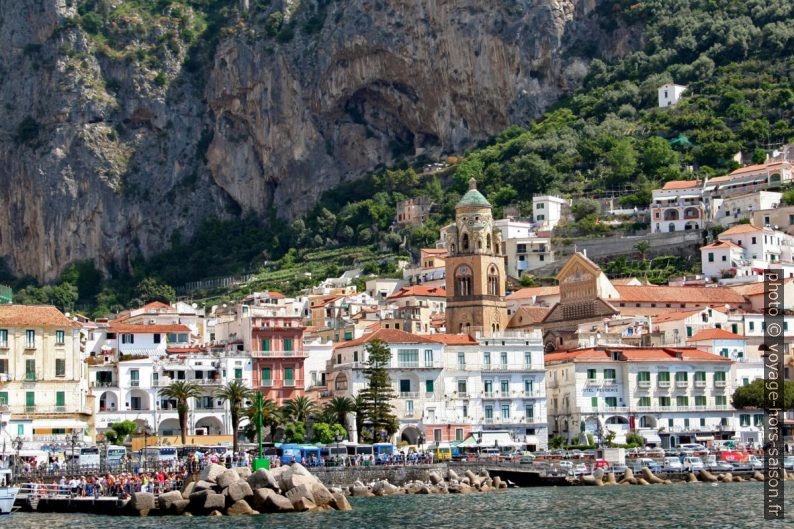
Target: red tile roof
[
  {"x": 434, "y": 251},
  {"x": 156, "y": 305},
  {"x": 740, "y": 229},
  {"x": 720, "y": 245},
  {"x": 666, "y": 294},
  {"x": 531, "y": 292},
  {"x": 638, "y": 354},
  {"x": 756, "y": 167},
  {"x": 680, "y": 184},
  {"x": 419, "y": 290},
  {"x": 453, "y": 339},
  {"x": 714, "y": 334},
  {"x": 386, "y": 335},
  {"x": 528, "y": 315},
  {"x": 676, "y": 315},
  {"x": 34, "y": 316},
  {"x": 145, "y": 329}
]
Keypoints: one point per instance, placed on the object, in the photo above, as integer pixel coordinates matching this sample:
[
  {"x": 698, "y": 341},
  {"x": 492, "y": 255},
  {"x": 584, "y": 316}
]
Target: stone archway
[
  {"x": 410, "y": 435},
  {"x": 648, "y": 421},
  {"x": 169, "y": 427},
  {"x": 108, "y": 401},
  {"x": 213, "y": 425}
]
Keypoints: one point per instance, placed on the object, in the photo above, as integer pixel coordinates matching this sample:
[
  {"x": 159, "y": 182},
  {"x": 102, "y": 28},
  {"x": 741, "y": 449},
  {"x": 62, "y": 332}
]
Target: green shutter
[
  {"x": 266, "y": 344},
  {"x": 3, "y": 398},
  {"x": 60, "y": 398},
  {"x": 288, "y": 344},
  {"x": 30, "y": 398},
  {"x": 238, "y": 373}
]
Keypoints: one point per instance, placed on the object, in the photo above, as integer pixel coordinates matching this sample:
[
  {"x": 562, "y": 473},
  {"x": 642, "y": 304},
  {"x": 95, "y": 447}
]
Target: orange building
[{"x": 278, "y": 356}]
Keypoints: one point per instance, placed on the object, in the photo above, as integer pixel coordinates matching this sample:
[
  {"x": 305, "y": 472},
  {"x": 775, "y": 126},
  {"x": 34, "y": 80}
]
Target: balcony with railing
[
  {"x": 643, "y": 384},
  {"x": 664, "y": 384},
  {"x": 104, "y": 384},
  {"x": 700, "y": 384},
  {"x": 681, "y": 384},
  {"x": 279, "y": 354},
  {"x": 403, "y": 364},
  {"x": 720, "y": 384}
]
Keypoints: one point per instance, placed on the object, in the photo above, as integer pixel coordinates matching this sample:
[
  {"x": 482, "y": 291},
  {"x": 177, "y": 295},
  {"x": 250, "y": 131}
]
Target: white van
[
  {"x": 88, "y": 456},
  {"x": 160, "y": 454},
  {"x": 672, "y": 464},
  {"x": 692, "y": 464},
  {"x": 115, "y": 454}
]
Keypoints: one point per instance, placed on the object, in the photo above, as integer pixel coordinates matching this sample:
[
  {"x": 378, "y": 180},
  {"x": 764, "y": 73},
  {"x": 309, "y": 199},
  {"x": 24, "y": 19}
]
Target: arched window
[
  {"x": 493, "y": 281},
  {"x": 488, "y": 242},
  {"x": 671, "y": 227},
  {"x": 464, "y": 243},
  {"x": 479, "y": 243},
  {"x": 463, "y": 281}
]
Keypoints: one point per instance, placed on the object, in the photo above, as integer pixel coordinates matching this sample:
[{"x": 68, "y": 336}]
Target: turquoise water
[{"x": 724, "y": 506}]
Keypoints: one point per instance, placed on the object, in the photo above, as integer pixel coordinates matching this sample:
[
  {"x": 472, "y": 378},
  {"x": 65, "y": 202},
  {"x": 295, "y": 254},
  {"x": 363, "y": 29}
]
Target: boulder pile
[
  {"x": 435, "y": 484},
  {"x": 237, "y": 491},
  {"x": 649, "y": 478}
]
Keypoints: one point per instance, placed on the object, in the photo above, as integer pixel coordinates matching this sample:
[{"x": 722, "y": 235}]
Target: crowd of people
[{"x": 121, "y": 485}]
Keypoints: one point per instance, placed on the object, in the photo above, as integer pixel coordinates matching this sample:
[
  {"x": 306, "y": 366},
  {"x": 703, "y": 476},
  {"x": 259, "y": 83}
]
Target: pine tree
[{"x": 377, "y": 396}]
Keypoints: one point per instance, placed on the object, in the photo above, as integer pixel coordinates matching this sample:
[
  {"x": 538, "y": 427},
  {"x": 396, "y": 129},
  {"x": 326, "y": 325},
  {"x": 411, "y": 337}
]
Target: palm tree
[
  {"x": 339, "y": 407},
  {"x": 642, "y": 248},
  {"x": 181, "y": 391},
  {"x": 300, "y": 409},
  {"x": 271, "y": 417},
  {"x": 235, "y": 394}
]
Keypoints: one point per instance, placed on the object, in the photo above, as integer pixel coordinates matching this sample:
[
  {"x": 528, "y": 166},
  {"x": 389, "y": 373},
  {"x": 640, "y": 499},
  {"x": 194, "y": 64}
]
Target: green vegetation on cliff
[{"x": 735, "y": 56}]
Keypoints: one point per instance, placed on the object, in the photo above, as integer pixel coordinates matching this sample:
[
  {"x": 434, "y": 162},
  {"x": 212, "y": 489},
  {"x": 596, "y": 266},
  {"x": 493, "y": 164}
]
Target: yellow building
[
  {"x": 43, "y": 380},
  {"x": 475, "y": 268}
]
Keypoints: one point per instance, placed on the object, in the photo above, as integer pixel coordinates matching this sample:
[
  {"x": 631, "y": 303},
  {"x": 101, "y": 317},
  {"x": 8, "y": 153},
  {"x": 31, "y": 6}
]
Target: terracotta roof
[
  {"x": 323, "y": 301},
  {"x": 373, "y": 327},
  {"x": 528, "y": 315},
  {"x": 680, "y": 184},
  {"x": 654, "y": 312},
  {"x": 720, "y": 245},
  {"x": 625, "y": 281},
  {"x": 719, "y": 179},
  {"x": 667, "y": 294},
  {"x": 636, "y": 354},
  {"x": 740, "y": 229},
  {"x": 386, "y": 335},
  {"x": 756, "y": 167},
  {"x": 714, "y": 334},
  {"x": 531, "y": 292},
  {"x": 453, "y": 339},
  {"x": 434, "y": 251},
  {"x": 676, "y": 316},
  {"x": 156, "y": 305},
  {"x": 34, "y": 316},
  {"x": 753, "y": 289},
  {"x": 419, "y": 290},
  {"x": 144, "y": 329}
]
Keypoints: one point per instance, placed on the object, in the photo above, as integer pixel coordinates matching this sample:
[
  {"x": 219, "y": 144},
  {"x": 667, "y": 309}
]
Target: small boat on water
[{"x": 8, "y": 493}]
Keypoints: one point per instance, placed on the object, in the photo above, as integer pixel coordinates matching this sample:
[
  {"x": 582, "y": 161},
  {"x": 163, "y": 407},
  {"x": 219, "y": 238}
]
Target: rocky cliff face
[{"x": 112, "y": 139}]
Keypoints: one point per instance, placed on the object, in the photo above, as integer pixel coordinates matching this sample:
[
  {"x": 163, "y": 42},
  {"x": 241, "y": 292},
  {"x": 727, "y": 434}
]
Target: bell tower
[{"x": 475, "y": 268}]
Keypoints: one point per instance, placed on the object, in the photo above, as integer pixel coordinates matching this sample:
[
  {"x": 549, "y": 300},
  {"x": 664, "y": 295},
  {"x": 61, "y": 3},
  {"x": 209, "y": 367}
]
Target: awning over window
[
  {"x": 651, "y": 437},
  {"x": 58, "y": 423},
  {"x": 704, "y": 438}
]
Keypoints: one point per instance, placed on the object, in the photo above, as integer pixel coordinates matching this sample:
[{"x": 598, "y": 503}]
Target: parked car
[
  {"x": 692, "y": 463},
  {"x": 672, "y": 464},
  {"x": 618, "y": 469},
  {"x": 654, "y": 452},
  {"x": 526, "y": 460},
  {"x": 566, "y": 465},
  {"x": 712, "y": 463},
  {"x": 752, "y": 463},
  {"x": 642, "y": 462},
  {"x": 580, "y": 469}
]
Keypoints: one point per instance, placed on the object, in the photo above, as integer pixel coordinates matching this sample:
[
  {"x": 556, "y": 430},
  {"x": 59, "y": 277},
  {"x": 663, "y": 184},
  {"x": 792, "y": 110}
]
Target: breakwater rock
[
  {"x": 237, "y": 491},
  {"x": 434, "y": 484}
]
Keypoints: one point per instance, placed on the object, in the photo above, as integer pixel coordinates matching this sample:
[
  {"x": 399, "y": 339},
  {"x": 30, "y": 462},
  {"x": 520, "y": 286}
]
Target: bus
[
  {"x": 289, "y": 453},
  {"x": 88, "y": 456},
  {"x": 161, "y": 455},
  {"x": 309, "y": 454},
  {"x": 114, "y": 455},
  {"x": 382, "y": 452},
  {"x": 442, "y": 452}
]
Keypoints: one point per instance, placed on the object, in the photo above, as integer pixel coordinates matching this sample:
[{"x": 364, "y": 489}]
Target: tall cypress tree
[{"x": 377, "y": 396}]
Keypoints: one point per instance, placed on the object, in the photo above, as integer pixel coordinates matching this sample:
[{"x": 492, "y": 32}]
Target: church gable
[{"x": 573, "y": 313}]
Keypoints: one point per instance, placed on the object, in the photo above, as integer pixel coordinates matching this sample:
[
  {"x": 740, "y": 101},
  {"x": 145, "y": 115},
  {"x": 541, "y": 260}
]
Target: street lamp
[
  {"x": 338, "y": 439},
  {"x": 73, "y": 440},
  {"x": 17, "y": 445}
]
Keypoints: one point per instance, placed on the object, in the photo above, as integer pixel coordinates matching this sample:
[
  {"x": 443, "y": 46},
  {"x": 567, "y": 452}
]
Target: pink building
[{"x": 278, "y": 356}]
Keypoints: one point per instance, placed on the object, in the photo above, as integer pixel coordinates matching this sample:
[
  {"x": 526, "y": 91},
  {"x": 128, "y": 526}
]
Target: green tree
[
  {"x": 377, "y": 396},
  {"x": 152, "y": 289},
  {"x": 235, "y": 393},
  {"x": 556, "y": 442},
  {"x": 119, "y": 431},
  {"x": 326, "y": 433},
  {"x": 271, "y": 418},
  {"x": 295, "y": 432},
  {"x": 657, "y": 155},
  {"x": 752, "y": 395},
  {"x": 642, "y": 248},
  {"x": 300, "y": 409},
  {"x": 621, "y": 160},
  {"x": 181, "y": 392},
  {"x": 585, "y": 207},
  {"x": 339, "y": 407},
  {"x": 527, "y": 280}
]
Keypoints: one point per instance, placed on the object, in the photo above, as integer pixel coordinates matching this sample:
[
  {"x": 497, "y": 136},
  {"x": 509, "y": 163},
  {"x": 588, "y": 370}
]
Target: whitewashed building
[{"x": 670, "y": 93}]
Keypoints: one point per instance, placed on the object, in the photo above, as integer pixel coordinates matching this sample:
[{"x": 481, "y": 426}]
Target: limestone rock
[
  {"x": 435, "y": 478},
  {"x": 243, "y": 472},
  {"x": 452, "y": 475},
  {"x": 167, "y": 499},
  {"x": 211, "y": 472},
  {"x": 340, "y": 502},
  {"x": 303, "y": 504},
  {"x": 361, "y": 492},
  {"x": 179, "y": 507},
  {"x": 239, "y": 507},
  {"x": 215, "y": 512},
  {"x": 214, "y": 501},
  {"x": 187, "y": 489},
  {"x": 239, "y": 490},
  {"x": 142, "y": 503},
  {"x": 322, "y": 496},
  {"x": 227, "y": 478},
  {"x": 262, "y": 478},
  {"x": 301, "y": 491}
]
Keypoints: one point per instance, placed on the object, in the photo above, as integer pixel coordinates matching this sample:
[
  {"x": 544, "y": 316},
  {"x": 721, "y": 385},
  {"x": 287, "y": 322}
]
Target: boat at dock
[{"x": 8, "y": 493}]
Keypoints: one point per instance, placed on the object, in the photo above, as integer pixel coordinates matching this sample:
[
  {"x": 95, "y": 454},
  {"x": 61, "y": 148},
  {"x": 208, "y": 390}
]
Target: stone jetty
[
  {"x": 220, "y": 491},
  {"x": 647, "y": 477},
  {"x": 436, "y": 483}
]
